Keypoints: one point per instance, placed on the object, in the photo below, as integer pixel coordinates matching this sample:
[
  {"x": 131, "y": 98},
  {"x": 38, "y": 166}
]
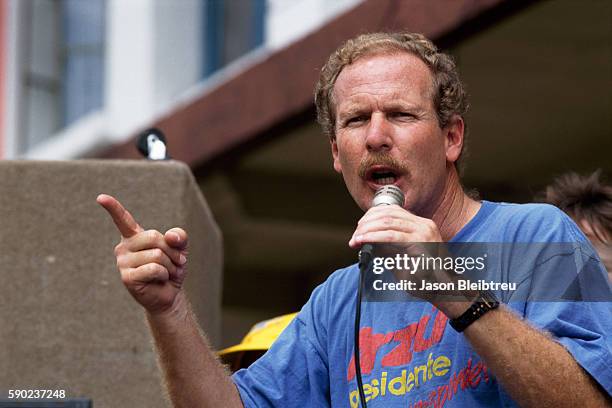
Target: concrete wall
[{"x": 66, "y": 320}]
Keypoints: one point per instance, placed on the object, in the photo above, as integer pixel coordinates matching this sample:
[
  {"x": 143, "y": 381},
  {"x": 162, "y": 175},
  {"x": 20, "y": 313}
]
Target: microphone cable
[
  {"x": 386, "y": 195},
  {"x": 365, "y": 256}
]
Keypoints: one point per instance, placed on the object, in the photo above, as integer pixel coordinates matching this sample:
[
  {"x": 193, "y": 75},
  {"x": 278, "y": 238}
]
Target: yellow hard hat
[{"x": 262, "y": 335}]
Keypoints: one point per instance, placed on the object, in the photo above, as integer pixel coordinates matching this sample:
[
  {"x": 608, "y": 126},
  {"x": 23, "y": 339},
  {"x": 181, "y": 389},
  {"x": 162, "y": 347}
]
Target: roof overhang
[{"x": 280, "y": 86}]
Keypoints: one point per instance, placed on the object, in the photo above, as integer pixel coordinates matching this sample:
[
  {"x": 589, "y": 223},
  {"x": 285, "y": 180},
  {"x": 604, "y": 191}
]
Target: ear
[
  {"x": 335, "y": 155},
  {"x": 453, "y": 133}
]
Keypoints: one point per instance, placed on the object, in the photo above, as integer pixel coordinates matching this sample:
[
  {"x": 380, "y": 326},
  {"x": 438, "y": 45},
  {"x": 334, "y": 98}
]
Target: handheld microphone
[{"x": 386, "y": 195}]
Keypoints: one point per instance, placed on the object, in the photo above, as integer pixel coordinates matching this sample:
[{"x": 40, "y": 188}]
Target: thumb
[{"x": 176, "y": 238}]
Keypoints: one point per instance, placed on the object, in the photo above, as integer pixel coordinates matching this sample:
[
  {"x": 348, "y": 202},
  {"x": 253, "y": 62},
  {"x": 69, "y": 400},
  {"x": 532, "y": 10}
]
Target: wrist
[
  {"x": 455, "y": 305},
  {"x": 177, "y": 310},
  {"x": 454, "y": 309},
  {"x": 485, "y": 302}
]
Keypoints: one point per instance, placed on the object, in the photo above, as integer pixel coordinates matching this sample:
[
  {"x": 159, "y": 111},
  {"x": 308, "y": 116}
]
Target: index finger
[{"x": 126, "y": 224}]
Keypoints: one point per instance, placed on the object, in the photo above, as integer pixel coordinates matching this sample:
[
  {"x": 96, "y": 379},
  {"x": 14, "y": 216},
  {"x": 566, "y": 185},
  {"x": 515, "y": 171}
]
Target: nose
[{"x": 378, "y": 137}]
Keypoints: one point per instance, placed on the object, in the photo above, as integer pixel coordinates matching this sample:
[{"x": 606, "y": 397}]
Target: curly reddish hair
[{"x": 449, "y": 95}]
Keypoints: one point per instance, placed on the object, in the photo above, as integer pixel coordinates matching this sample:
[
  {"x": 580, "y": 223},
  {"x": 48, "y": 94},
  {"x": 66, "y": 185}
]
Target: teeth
[
  {"x": 384, "y": 177},
  {"x": 386, "y": 180}
]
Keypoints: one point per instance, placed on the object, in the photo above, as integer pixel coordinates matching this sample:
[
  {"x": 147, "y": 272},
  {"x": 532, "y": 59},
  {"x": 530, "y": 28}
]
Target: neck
[{"x": 455, "y": 208}]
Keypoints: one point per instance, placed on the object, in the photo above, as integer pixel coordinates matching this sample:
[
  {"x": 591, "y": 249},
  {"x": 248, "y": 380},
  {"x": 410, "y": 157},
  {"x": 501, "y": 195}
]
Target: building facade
[{"x": 230, "y": 83}]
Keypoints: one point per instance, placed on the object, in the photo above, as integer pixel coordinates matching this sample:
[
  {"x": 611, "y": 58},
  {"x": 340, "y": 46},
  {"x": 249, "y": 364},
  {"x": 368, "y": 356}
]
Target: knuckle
[
  {"x": 152, "y": 269},
  {"x": 152, "y": 235},
  {"x": 157, "y": 255},
  {"x": 126, "y": 277},
  {"x": 390, "y": 235},
  {"x": 430, "y": 229},
  {"x": 161, "y": 272},
  {"x": 387, "y": 221},
  {"x": 121, "y": 261}
]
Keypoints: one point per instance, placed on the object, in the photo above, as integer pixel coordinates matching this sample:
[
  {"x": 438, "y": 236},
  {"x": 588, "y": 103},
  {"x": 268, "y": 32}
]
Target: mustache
[{"x": 381, "y": 159}]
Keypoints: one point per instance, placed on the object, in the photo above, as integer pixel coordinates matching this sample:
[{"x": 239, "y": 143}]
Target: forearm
[
  {"x": 193, "y": 375},
  {"x": 534, "y": 369}
]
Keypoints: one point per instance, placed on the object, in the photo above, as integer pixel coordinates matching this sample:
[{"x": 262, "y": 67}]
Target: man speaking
[{"x": 393, "y": 108}]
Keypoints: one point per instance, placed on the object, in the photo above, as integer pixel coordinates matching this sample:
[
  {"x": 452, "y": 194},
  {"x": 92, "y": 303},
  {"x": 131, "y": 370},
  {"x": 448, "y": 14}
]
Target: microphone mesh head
[{"x": 388, "y": 195}]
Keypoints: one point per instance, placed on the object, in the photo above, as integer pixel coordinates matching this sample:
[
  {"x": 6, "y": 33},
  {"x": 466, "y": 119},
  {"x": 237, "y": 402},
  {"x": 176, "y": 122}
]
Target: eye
[
  {"x": 355, "y": 120},
  {"x": 402, "y": 115}
]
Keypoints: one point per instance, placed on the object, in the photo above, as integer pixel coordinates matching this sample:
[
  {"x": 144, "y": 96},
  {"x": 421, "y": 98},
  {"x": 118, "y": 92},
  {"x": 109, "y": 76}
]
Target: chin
[
  {"x": 364, "y": 204},
  {"x": 364, "y": 201}
]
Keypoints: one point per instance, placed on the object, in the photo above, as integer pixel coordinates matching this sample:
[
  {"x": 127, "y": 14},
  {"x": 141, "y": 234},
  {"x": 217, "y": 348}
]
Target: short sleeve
[
  {"x": 584, "y": 329},
  {"x": 582, "y": 323},
  {"x": 294, "y": 371}
]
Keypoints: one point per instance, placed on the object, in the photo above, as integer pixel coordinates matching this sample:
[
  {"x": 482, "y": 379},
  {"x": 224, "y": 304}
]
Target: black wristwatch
[{"x": 484, "y": 302}]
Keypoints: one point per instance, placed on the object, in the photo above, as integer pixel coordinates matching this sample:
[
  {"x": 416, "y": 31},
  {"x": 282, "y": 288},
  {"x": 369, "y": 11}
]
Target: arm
[
  {"x": 194, "y": 376},
  {"x": 152, "y": 268},
  {"x": 533, "y": 368}
]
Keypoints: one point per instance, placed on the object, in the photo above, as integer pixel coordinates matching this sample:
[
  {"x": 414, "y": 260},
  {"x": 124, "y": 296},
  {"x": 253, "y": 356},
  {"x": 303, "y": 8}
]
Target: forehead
[{"x": 399, "y": 76}]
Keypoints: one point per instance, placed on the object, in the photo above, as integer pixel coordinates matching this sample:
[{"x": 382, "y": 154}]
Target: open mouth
[{"x": 382, "y": 176}]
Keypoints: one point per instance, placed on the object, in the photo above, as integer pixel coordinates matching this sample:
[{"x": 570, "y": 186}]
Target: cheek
[
  {"x": 349, "y": 170},
  {"x": 426, "y": 153},
  {"x": 437, "y": 153},
  {"x": 348, "y": 155}
]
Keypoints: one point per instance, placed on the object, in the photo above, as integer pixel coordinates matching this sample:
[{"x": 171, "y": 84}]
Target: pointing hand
[{"x": 152, "y": 264}]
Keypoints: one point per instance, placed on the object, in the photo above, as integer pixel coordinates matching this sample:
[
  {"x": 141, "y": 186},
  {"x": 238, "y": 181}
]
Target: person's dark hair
[{"x": 584, "y": 198}]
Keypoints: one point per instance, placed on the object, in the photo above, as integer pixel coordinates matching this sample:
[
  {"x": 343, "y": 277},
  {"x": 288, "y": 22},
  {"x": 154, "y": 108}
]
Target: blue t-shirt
[{"x": 410, "y": 356}]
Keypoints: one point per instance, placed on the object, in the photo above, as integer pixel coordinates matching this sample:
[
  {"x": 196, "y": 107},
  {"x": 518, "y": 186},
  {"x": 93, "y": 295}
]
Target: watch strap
[{"x": 485, "y": 302}]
